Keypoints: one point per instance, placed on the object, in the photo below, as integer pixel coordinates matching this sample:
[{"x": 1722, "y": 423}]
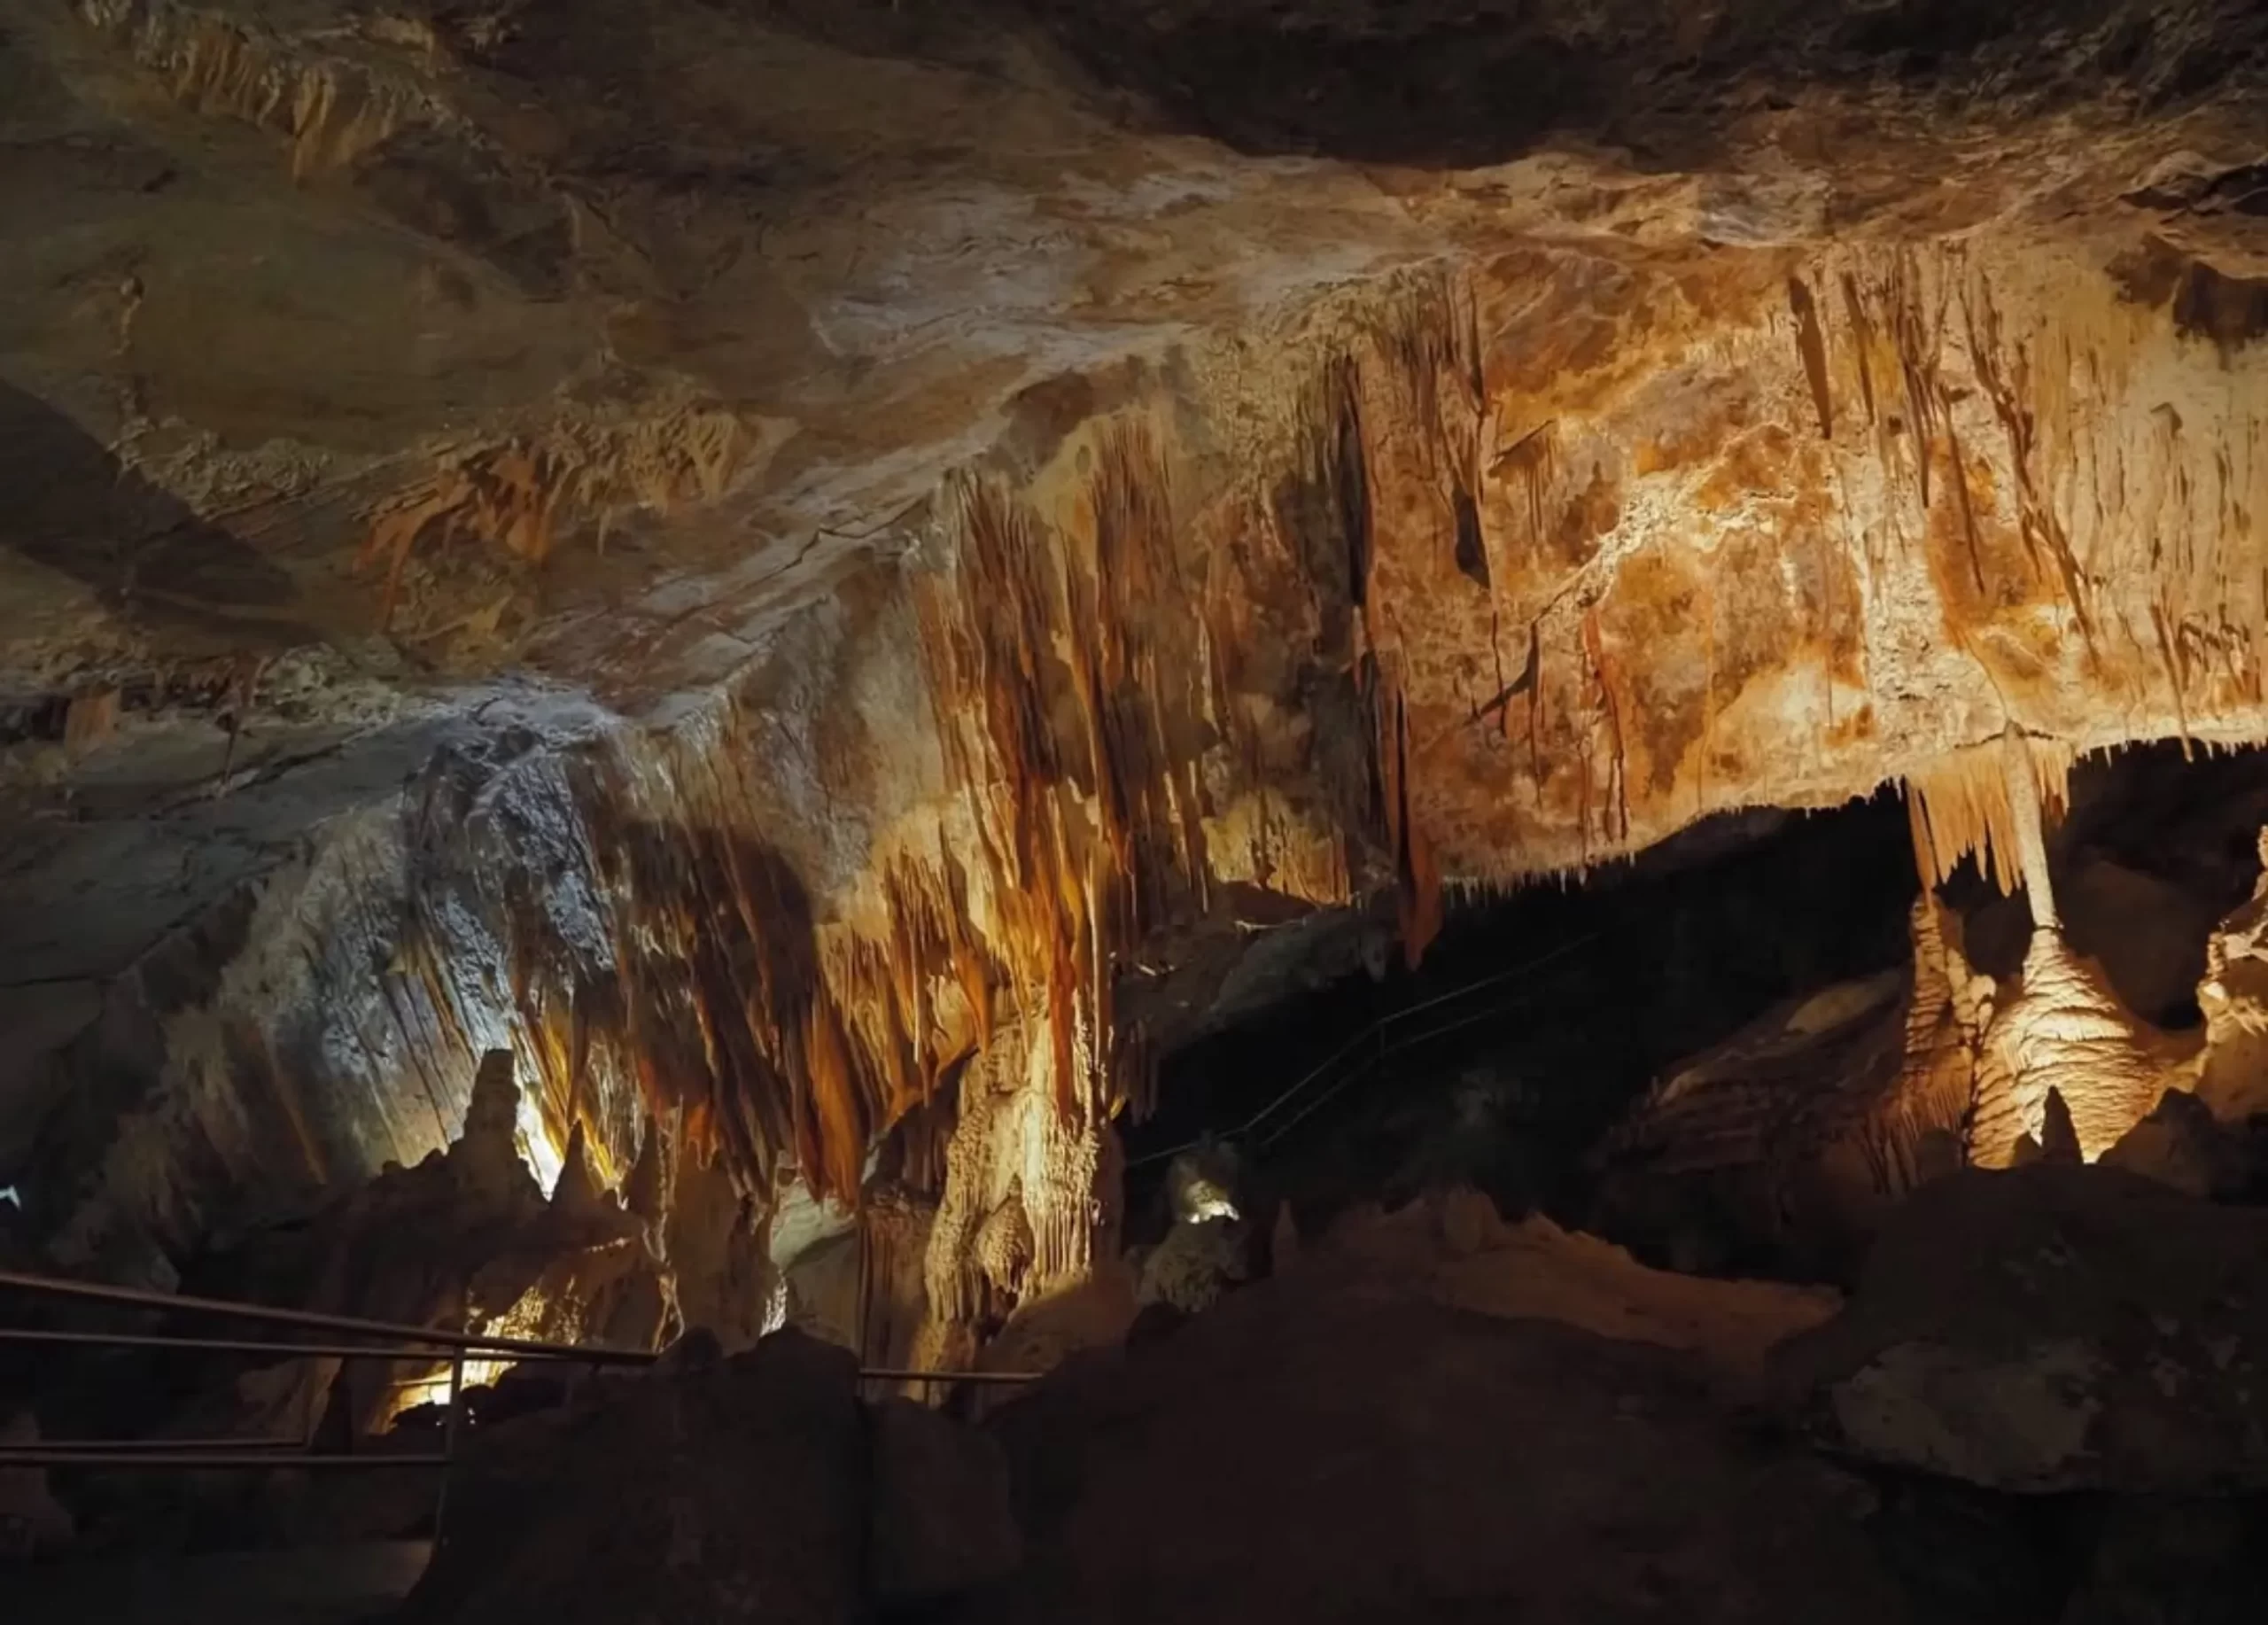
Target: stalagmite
[
  {"x": 1945, "y": 1017},
  {"x": 2233, "y": 1078},
  {"x": 2060, "y": 1029},
  {"x": 1029, "y": 1204},
  {"x": 1830, "y": 1105}
]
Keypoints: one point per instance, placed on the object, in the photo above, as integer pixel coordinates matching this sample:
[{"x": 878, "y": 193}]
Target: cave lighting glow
[
  {"x": 544, "y": 1159},
  {"x": 435, "y": 1390}
]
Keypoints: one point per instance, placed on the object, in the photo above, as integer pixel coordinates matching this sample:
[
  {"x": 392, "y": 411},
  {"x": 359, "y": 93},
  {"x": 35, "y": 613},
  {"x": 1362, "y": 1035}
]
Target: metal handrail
[
  {"x": 465, "y": 1342},
  {"x": 403, "y": 1341},
  {"x": 1373, "y": 1046},
  {"x": 234, "y": 1345},
  {"x": 236, "y": 1456},
  {"x": 395, "y": 1342},
  {"x": 80, "y": 1450}
]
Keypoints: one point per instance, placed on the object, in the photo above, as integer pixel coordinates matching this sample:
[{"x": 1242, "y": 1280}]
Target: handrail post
[{"x": 450, "y": 1443}]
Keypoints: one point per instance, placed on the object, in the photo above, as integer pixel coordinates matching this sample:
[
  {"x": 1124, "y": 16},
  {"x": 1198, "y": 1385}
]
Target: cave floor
[{"x": 322, "y": 1585}]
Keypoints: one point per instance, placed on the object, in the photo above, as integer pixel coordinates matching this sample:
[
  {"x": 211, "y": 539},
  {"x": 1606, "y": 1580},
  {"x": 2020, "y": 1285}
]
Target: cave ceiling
[{"x": 526, "y": 523}]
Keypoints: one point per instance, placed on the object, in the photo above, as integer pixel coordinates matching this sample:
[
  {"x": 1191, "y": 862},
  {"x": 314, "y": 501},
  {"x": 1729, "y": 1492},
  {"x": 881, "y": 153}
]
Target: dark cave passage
[
  {"x": 1539, "y": 1019},
  {"x": 1537, "y": 1016}
]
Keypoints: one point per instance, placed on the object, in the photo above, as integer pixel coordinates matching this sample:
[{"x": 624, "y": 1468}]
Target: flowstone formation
[
  {"x": 1799, "y": 1133},
  {"x": 825, "y": 575}
]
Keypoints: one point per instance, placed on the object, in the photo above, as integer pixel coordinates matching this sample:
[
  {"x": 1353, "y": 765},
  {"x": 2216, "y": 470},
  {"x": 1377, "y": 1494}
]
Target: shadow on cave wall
[
  {"x": 67, "y": 503},
  {"x": 1431, "y": 84},
  {"x": 1605, "y": 982}
]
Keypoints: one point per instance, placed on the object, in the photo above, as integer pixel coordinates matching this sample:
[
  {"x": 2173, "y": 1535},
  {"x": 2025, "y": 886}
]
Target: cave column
[{"x": 2032, "y": 840}]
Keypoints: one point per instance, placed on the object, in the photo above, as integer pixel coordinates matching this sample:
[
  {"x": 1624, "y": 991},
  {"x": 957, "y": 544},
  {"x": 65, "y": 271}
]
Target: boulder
[
  {"x": 1194, "y": 1264},
  {"x": 2147, "y": 934},
  {"x": 1456, "y": 1250},
  {"x": 1093, "y": 1313},
  {"x": 942, "y": 1519},
  {"x": 1976, "y": 1557},
  {"x": 1308, "y": 1452},
  {"x": 2183, "y": 1144},
  {"x": 2051, "y": 1328},
  {"x": 713, "y": 1489}
]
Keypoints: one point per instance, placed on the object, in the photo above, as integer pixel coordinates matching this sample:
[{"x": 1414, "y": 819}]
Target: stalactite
[
  {"x": 686, "y": 977},
  {"x": 1077, "y": 697},
  {"x": 948, "y": 1269},
  {"x": 1072, "y": 670},
  {"x": 1418, "y": 878},
  {"x": 2004, "y": 372},
  {"x": 2021, "y": 773},
  {"x": 1811, "y": 345},
  {"x": 1960, "y": 804}
]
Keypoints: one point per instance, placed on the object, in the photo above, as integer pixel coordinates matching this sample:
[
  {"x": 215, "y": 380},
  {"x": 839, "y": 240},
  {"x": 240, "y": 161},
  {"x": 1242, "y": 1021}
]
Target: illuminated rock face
[
  {"x": 2062, "y": 1029},
  {"x": 1804, "y": 1130},
  {"x": 2234, "y": 1076},
  {"x": 753, "y": 633}
]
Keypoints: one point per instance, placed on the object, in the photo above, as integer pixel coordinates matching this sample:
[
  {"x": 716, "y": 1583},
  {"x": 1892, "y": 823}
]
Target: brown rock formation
[
  {"x": 1460, "y": 1253},
  {"x": 2232, "y": 1077},
  {"x": 749, "y": 1486},
  {"x": 1305, "y": 1452},
  {"x": 749, "y": 1501},
  {"x": 2051, "y": 1328},
  {"x": 751, "y": 554},
  {"x": 1801, "y": 1127},
  {"x": 2180, "y": 1143}
]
